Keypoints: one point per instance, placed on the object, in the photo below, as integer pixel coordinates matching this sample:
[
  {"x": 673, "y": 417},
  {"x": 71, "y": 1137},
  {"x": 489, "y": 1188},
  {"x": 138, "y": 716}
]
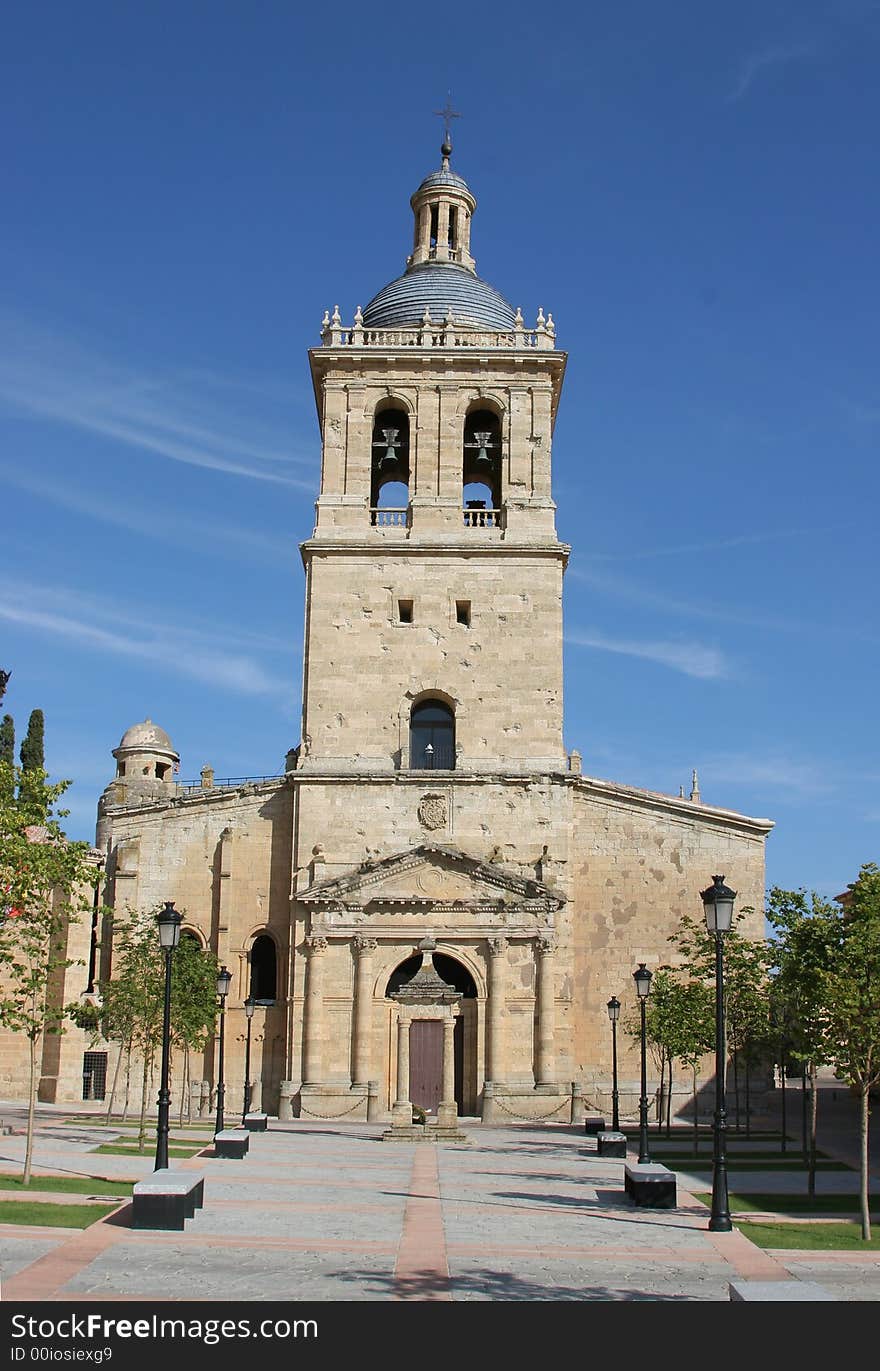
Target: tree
[
  {"x": 44, "y": 885},
  {"x": 745, "y": 987},
  {"x": 851, "y": 986},
  {"x": 32, "y": 750},
  {"x": 7, "y": 756},
  {"x": 133, "y": 998},
  {"x": 801, "y": 956}
]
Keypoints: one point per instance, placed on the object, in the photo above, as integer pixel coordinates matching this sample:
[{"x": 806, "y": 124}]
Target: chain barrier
[
  {"x": 357, "y": 1104},
  {"x": 533, "y": 1118}
]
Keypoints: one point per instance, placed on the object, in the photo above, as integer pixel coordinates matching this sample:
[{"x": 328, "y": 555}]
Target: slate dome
[{"x": 441, "y": 288}]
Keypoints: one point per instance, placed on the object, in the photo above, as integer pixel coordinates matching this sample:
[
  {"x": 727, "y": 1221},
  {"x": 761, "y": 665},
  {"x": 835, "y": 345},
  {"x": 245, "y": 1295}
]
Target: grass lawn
[
  {"x": 74, "y": 1185},
  {"x": 52, "y": 1215},
  {"x": 744, "y": 1162},
  {"x": 789, "y": 1204},
  {"x": 816, "y": 1237},
  {"x": 120, "y": 1150}
]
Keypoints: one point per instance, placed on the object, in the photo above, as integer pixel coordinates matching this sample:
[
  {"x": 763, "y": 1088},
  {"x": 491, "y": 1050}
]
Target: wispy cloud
[
  {"x": 622, "y": 588},
  {"x": 182, "y": 416},
  {"x": 182, "y": 650},
  {"x": 692, "y": 659},
  {"x": 768, "y": 771},
  {"x": 760, "y": 62},
  {"x": 172, "y": 528},
  {"x": 743, "y": 540}
]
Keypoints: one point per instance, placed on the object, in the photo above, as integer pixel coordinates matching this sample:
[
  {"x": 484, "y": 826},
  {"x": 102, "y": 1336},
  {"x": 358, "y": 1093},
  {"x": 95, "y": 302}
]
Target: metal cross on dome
[{"x": 447, "y": 114}]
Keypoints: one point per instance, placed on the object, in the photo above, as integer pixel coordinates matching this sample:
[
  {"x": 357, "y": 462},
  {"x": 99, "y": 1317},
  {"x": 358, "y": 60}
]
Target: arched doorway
[{"x": 458, "y": 978}]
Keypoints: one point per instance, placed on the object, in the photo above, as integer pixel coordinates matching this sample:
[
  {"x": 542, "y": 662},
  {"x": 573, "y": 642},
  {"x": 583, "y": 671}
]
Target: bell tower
[{"x": 433, "y": 637}]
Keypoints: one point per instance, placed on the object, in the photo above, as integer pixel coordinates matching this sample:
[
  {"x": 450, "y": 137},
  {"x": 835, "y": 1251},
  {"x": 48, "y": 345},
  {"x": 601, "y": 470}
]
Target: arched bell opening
[
  {"x": 481, "y": 467},
  {"x": 457, "y": 977},
  {"x": 389, "y": 467}
]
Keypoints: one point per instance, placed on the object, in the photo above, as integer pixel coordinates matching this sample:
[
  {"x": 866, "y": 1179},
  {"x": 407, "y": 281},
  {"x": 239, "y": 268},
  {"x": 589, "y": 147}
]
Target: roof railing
[{"x": 445, "y": 333}]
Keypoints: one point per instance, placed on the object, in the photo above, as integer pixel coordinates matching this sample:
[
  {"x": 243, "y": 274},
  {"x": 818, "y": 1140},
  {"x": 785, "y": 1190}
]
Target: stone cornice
[
  {"x": 625, "y": 796},
  {"x": 442, "y": 548}
]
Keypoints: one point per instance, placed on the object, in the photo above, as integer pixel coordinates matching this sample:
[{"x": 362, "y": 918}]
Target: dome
[
  {"x": 146, "y": 736},
  {"x": 444, "y": 177},
  {"x": 441, "y": 288}
]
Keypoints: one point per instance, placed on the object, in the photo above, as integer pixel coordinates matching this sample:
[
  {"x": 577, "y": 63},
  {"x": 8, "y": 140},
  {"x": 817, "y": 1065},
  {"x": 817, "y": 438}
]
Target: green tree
[
  {"x": 44, "y": 886},
  {"x": 32, "y": 751},
  {"x": 801, "y": 956},
  {"x": 746, "y": 987},
  {"x": 133, "y": 999},
  {"x": 851, "y": 986},
  {"x": 7, "y": 744}
]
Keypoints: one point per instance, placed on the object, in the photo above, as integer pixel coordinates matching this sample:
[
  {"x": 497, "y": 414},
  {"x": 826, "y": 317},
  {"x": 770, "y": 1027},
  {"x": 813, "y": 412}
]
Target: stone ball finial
[{"x": 446, "y": 148}]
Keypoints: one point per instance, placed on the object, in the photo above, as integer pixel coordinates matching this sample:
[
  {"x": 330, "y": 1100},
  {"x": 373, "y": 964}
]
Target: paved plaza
[{"x": 330, "y": 1212}]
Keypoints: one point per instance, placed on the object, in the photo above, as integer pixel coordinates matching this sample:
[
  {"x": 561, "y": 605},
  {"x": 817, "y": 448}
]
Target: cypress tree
[
  {"x": 4, "y": 682},
  {"x": 7, "y": 757},
  {"x": 32, "y": 758},
  {"x": 7, "y": 740}
]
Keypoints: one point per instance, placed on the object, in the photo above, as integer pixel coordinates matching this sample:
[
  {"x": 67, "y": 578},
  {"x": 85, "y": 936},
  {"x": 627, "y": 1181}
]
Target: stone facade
[{"x": 431, "y": 801}]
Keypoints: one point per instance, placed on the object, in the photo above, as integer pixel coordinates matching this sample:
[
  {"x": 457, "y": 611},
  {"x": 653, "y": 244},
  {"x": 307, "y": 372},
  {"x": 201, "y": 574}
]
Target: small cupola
[{"x": 443, "y": 206}]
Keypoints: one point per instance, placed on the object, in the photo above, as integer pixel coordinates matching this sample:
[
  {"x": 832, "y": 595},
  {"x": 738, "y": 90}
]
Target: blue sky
[{"x": 690, "y": 188}]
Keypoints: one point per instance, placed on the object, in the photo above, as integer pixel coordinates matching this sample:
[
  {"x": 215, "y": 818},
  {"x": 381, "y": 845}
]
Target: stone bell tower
[{"x": 434, "y": 574}]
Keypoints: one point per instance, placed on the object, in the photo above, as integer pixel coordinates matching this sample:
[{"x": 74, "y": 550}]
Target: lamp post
[
  {"x": 614, "y": 1015},
  {"x": 642, "y": 978},
  {"x": 718, "y": 907},
  {"x": 169, "y": 921},
  {"x": 224, "y": 980},
  {"x": 249, "y": 1007}
]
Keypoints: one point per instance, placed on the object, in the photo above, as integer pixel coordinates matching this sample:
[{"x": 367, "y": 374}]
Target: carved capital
[
  {"x": 545, "y": 944},
  {"x": 497, "y": 946},
  {"x": 316, "y": 944},
  {"x": 363, "y": 946}
]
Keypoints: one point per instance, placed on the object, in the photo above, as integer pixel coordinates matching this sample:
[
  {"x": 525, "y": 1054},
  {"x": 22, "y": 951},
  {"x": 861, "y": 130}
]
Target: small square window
[
  {"x": 405, "y": 611},
  {"x": 463, "y": 612}
]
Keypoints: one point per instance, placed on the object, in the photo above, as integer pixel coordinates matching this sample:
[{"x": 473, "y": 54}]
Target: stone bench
[
  {"x": 610, "y": 1143},
  {"x": 231, "y": 1143},
  {"x": 593, "y": 1125},
  {"x": 767, "y": 1292},
  {"x": 166, "y": 1199},
  {"x": 650, "y": 1185},
  {"x": 256, "y": 1122}
]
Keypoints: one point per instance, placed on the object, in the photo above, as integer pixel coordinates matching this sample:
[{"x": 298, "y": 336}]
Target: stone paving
[{"x": 318, "y": 1212}]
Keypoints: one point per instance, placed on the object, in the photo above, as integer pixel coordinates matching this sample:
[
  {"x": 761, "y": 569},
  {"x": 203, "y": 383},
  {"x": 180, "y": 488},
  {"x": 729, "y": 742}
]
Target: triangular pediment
[{"x": 431, "y": 875}]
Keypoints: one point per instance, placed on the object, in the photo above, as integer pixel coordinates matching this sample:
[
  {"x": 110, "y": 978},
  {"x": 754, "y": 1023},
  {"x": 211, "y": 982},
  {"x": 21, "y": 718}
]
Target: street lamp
[
  {"x": 718, "y": 907},
  {"x": 642, "y": 978},
  {"x": 614, "y": 1015},
  {"x": 169, "y": 921},
  {"x": 249, "y": 1007},
  {"x": 224, "y": 980}
]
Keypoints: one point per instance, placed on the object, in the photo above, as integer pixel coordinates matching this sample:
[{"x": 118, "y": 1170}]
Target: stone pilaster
[
  {"x": 545, "y": 980},
  {"x": 314, "y": 1019},
  {"x": 495, "y": 1010},
  {"x": 447, "y": 1112},
  {"x": 402, "y": 1111},
  {"x": 363, "y": 1003}
]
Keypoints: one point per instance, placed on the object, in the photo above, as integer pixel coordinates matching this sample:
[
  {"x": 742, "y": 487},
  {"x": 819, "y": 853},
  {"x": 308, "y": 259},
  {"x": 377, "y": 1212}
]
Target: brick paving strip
[{"x": 422, "y": 1269}]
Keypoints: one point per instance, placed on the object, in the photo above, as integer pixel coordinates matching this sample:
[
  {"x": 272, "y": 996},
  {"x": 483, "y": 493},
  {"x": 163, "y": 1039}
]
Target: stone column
[
  {"x": 545, "y": 948},
  {"x": 402, "y": 1111},
  {"x": 495, "y": 1009},
  {"x": 314, "y": 1024},
  {"x": 447, "y": 1113},
  {"x": 363, "y": 1003}
]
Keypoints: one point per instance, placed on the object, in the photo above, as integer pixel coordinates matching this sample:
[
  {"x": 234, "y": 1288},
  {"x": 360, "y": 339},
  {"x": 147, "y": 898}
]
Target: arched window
[
  {"x": 432, "y": 737},
  {"x": 389, "y": 468},
  {"x": 264, "y": 968},
  {"x": 481, "y": 468}
]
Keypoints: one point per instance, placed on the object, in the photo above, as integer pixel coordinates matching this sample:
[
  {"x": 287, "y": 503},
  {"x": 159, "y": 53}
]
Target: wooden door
[{"x": 426, "y": 1063}]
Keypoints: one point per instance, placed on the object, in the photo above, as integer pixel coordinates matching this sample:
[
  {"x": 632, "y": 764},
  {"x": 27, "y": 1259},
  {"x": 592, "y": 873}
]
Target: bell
[
  {"x": 482, "y": 441},
  {"x": 389, "y": 457}
]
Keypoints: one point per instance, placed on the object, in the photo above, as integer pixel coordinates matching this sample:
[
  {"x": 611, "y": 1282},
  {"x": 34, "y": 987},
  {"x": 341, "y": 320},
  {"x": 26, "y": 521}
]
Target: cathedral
[{"x": 433, "y": 904}]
